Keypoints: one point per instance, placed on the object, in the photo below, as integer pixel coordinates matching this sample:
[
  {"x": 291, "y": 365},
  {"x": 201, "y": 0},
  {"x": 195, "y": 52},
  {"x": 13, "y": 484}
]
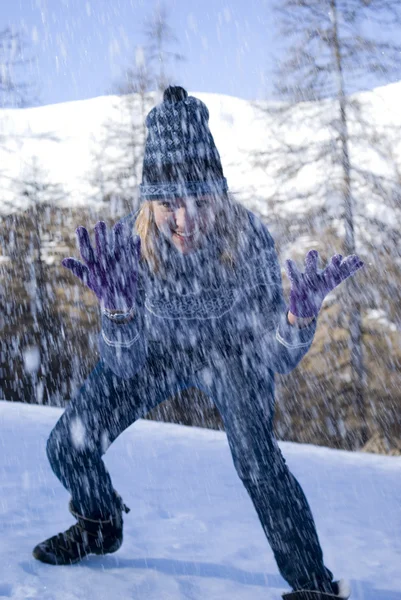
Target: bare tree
[
  {"x": 15, "y": 90},
  {"x": 42, "y": 236},
  {"x": 117, "y": 165},
  {"x": 159, "y": 38}
]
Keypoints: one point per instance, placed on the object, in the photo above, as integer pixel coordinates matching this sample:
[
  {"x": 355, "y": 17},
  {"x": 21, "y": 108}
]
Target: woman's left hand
[{"x": 309, "y": 289}]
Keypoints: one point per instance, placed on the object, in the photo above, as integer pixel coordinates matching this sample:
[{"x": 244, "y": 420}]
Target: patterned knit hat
[{"x": 181, "y": 158}]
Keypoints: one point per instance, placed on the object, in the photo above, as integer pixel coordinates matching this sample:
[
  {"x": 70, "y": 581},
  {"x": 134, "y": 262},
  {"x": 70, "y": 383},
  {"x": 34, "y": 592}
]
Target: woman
[{"x": 191, "y": 295}]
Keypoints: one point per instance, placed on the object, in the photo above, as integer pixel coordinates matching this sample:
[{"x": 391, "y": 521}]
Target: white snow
[
  {"x": 381, "y": 318},
  {"x": 31, "y": 359},
  {"x": 75, "y": 132},
  {"x": 192, "y": 532}
]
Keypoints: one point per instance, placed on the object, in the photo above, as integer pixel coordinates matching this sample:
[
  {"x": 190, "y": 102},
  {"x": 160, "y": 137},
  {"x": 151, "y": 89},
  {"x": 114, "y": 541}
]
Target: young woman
[{"x": 191, "y": 295}]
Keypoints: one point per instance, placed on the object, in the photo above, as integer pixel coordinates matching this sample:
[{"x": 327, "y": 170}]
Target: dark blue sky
[{"x": 82, "y": 46}]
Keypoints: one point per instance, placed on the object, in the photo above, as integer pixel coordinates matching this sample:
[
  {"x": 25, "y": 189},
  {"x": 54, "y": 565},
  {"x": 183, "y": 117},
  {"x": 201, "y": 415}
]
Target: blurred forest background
[{"x": 346, "y": 391}]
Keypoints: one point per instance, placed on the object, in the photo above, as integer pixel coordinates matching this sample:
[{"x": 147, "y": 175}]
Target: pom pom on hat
[{"x": 174, "y": 94}]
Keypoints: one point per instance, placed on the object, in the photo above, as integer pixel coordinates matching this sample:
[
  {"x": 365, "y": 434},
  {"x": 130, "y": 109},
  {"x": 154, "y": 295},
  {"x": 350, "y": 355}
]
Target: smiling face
[{"x": 185, "y": 222}]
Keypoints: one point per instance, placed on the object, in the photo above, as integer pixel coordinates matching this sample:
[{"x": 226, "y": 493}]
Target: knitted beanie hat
[{"x": 181, "y": 158}]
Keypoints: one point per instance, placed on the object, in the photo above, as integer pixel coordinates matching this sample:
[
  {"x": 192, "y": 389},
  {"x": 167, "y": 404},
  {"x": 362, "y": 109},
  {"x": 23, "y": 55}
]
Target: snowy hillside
[
  {"x": 77, "y": 131},
  {"x": 192, "y": 532}
]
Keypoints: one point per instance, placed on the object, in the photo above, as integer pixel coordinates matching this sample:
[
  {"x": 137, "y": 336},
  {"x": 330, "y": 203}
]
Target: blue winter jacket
[{"x": 203, "y": 311}]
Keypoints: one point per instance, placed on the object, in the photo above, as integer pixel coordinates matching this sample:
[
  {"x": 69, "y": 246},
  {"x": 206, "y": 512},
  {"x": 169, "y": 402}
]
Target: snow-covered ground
[
  {"x": 74, "y": 131},
  {"x": 192, "y": 532}
]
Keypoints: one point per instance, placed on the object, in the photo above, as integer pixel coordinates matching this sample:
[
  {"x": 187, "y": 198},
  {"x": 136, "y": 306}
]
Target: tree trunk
[{"x": 353, "y": 305}]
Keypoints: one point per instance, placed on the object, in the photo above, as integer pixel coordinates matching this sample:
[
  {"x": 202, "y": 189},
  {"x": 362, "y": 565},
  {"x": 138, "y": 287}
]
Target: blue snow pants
[{"x": 243, "y": 392}]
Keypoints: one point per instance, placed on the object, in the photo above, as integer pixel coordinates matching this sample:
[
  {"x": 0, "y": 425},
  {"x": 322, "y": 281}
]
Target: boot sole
[
  {"x": 343, "y": 593},
  {"x": 49, "y": 558}
]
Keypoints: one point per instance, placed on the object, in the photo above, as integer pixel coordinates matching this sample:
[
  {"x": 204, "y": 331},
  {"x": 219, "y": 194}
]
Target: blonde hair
[{"x": 231, "y": 220}]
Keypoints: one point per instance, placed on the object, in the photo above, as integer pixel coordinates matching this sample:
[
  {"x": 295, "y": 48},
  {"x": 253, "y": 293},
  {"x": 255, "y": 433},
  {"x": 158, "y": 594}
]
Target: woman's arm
[
  {"x": 122, "y": 341},
  {"x": 123, "y": 338},
  {"x": 284, "y": 347}
]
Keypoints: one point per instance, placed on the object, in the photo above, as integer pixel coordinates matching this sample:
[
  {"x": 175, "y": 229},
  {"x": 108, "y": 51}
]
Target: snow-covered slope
[
  {"x": 77, "y": 127},
  {"x": 192, "y": 532}
]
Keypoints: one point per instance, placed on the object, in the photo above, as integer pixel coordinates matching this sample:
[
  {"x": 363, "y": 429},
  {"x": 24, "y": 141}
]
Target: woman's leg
[
  {"x": 243, "y": 392},
  {"x": 103, "y": 407}
]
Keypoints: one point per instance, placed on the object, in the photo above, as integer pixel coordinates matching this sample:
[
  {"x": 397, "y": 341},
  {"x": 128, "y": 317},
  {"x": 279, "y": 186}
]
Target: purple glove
[
  {"x": 112, "y": 271},
  {"x": 309, "y": 289}
]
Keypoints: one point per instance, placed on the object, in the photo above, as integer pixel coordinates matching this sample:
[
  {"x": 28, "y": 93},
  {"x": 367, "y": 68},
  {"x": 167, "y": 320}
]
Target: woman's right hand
[{"x": 111, "y": 271}]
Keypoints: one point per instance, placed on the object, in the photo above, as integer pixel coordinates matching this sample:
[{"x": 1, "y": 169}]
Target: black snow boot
[
  {"x": 86, "y": 536},
  {"x": 341, "y": 591}
]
